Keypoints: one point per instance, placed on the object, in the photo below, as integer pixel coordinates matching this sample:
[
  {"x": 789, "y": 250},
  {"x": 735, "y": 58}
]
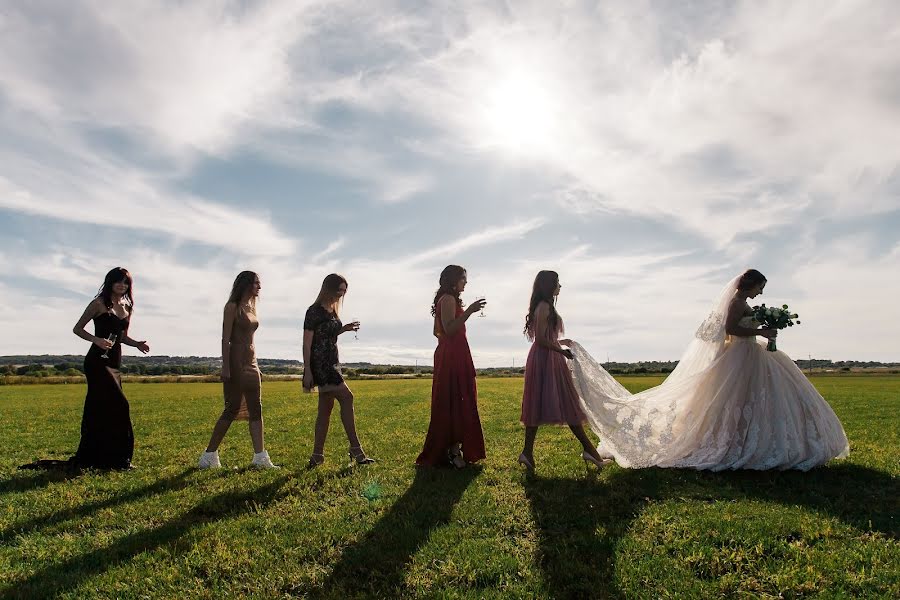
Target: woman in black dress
[
  {"x": 321, "y": 327},
  {"x": 107, "y": 440}
]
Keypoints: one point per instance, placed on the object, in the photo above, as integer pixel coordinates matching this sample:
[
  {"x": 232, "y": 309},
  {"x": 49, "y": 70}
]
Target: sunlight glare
[{"x": 520, "y": 115}]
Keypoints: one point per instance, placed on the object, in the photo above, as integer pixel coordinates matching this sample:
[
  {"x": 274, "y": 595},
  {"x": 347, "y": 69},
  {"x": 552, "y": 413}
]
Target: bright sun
[{"x": 520, "y": 115}]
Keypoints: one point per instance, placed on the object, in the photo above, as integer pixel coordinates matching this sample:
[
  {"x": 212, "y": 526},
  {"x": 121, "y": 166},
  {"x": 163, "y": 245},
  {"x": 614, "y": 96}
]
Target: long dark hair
[
  {"x": 329, "y": 290},
  {"x": 243, "y": 283},
  {"x": 750, "y": 279},
  {"x": 117, "y": 275},
  {"x": 542, "y": 291},
  {"x": 450, "y": 276}
]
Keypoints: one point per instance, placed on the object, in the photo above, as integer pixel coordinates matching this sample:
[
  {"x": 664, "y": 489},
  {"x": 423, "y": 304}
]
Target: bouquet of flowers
[{"x": 774, "y": 318}]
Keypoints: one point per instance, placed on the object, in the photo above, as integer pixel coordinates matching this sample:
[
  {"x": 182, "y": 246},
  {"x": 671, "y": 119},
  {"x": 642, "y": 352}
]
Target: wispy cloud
[
  {"x": 486, "y": 237},
  {"x": 646, "y": 150},
  {"x": 131, "y": 203},
  {"x": 330, "y": 249},
  {"x": 183, "y": 77}
]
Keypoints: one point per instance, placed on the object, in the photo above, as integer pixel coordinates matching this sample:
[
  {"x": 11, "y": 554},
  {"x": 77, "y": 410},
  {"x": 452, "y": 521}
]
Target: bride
[{"x": 729, "y": 404}]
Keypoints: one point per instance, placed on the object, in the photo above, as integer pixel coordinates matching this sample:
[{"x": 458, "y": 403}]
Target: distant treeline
[{"x": 72, "y": 366}]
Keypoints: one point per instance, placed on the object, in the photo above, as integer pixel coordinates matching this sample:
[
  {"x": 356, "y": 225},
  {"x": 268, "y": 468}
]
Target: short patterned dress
[{"x": 324, "y": 360}]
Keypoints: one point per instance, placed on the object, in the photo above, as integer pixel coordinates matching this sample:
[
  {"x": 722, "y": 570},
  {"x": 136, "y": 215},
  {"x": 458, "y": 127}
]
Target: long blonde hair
[{"x": 328, "y": 292}]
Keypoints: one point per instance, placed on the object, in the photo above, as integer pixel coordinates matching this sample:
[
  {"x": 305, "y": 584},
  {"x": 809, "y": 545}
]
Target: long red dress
[{"x": 454, "y": 400}]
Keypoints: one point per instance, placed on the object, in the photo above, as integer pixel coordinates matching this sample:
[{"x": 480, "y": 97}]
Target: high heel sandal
[
  {"x": 523, "y": 460},
  {"x": 315, "y": 462},
  {"x": 598, "y": 463},
  {"x": 360, "y": 457},
  {"x": 455, "y": 456}
]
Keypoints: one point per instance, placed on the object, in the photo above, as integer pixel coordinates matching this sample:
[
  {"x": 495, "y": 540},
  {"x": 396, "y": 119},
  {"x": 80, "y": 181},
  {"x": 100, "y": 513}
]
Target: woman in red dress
[{"x": 454, "y": 433}]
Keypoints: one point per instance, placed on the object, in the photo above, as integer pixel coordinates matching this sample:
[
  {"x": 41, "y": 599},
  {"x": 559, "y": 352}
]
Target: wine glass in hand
[
  {"x": 355, "y": 328},
  {"x": 481, "y": 298},
  {"x": 111, "y": 338}
]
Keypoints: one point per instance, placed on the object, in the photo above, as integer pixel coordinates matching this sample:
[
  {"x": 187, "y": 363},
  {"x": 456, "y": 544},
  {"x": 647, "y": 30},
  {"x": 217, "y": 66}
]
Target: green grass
[{"x": 391, "y": 530}]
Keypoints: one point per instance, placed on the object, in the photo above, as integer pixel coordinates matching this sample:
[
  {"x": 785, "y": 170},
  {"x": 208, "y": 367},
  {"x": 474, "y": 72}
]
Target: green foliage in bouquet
[{"x": 774, "y": 318}]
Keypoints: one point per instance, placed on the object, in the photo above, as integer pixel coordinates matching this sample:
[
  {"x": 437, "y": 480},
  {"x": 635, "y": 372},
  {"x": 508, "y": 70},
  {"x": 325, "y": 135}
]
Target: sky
[{"x": 647, "y": 151}]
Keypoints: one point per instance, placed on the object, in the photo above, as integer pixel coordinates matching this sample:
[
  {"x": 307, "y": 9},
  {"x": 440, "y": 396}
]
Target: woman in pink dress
[{"x": 550, "y": 397}]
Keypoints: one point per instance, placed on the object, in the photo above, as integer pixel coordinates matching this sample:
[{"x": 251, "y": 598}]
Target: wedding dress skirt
[{"x": 748, "y": 408}]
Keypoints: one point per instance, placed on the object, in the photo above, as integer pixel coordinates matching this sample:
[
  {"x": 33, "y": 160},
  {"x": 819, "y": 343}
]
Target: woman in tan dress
[{"x": 240, "y": 373}]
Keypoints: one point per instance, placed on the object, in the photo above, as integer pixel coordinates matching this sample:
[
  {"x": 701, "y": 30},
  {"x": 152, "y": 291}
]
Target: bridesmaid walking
[
  {"x": 240, "y": 373},
  {"x": 321, "y": 328},
  {"x": 550, "y": 396},
  {"x": 454, "y": 433},
  {"x": 107, "y": 438}
]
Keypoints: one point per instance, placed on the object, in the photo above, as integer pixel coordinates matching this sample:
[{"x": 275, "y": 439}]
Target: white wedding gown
[{"x": 730, "y": 404}]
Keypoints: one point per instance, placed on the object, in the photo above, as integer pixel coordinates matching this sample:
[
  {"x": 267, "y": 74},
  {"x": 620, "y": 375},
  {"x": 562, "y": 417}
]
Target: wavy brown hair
[
  {"x": 243, "y": 283},
  {"x": 450, "y": 276},
  {"x": 542, "y": 291},
  {"x": 750, "y": 279},
  {"x": 117, "y": 275},
  {"x": 329, "y": 291}
]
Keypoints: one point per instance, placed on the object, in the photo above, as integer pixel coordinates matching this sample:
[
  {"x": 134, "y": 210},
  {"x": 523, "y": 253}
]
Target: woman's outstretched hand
[{"x": 476, "y": 306}]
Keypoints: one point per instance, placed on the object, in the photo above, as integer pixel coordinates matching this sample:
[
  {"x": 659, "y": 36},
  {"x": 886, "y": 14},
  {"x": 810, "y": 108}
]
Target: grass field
[{"x": 390, "y": 530}]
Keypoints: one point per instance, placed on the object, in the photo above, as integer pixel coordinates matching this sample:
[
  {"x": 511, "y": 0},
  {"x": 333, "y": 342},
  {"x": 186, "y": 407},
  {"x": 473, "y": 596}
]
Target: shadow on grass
[
  {"x": 169, "y": 484},
  {"x": 32, "y": 480},
  {"x": 580, "y": 522},
  {"x": 67, "y": 574},
  {"x": 375, "y": 566}
]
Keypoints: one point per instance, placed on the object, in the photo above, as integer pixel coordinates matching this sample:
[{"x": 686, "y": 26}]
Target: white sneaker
[
  {"x": 209, "y": 460},
  {"x": 262, "y": 461}
]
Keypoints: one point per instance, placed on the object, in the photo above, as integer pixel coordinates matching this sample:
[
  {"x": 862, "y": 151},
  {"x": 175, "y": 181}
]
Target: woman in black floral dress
[{"x": 321, "y": 368}]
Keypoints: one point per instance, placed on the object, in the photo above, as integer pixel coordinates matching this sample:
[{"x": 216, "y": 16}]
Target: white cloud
[
  {"x": 847, "y": 305},
  {"x": 127, "y": 200},
  {"x": 491, "y": 235},
  {"x": 184, "y": 76},
  {"x": 718, "y": 122},
  {"x": 733, "y": 123}
]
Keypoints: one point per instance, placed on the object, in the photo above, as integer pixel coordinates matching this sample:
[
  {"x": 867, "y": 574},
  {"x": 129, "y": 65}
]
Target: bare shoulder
[
  {"x": 96, "y": 307},
  {"x": 542, "y": 308},
  {"x": 231, "y": 308},
  {"x": 447, "y": 302},
  {"x": 737, "y": 306}
]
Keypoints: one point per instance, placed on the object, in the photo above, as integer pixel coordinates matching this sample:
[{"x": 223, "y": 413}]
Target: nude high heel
[
  {"x": 523, "y": 460},
  {"x": 598, "y": 463}
]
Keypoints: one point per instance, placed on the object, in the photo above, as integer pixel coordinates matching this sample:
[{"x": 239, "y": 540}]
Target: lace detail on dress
[
  {"x": 712, "y": 329},
  {"x": 748, "y": 409}
]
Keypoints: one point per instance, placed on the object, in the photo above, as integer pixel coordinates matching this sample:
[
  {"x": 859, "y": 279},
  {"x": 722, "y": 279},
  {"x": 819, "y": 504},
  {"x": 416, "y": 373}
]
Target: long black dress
[{"x": 107, "y": 439}]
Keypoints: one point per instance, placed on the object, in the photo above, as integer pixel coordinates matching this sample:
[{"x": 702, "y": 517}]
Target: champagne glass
[
  {"x": 477, "y": 298},
  {"x": 111, "y": 338},
  {"x": 355, "y": 331}
]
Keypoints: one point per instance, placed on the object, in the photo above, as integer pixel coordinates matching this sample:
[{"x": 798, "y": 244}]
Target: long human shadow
[
  {"x": 25, "y": 527},
  {"x": 65, "y": 575},
  {"x": 374, "y": 566},
  {"x": 580, "y": 522},
  {"x": 26, "y": 481}
]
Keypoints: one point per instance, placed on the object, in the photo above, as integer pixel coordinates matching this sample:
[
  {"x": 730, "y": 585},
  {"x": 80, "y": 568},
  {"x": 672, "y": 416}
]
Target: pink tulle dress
[{"x": 550, "y": 396}]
